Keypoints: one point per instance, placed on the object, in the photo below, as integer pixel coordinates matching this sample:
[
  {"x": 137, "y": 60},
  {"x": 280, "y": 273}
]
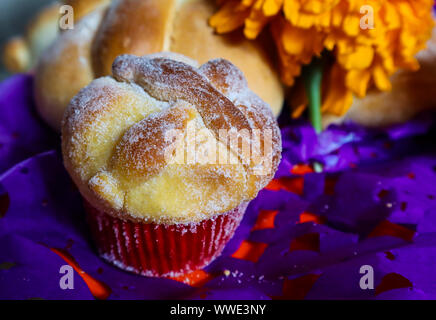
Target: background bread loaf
[{"x": 144, "y": 27}]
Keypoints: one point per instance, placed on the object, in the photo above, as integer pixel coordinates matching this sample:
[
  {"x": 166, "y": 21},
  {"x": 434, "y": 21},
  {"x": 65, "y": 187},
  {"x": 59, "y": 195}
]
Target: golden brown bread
[
  {"x": 56, "y": 79},
  {"x": 150, "y": 19},
  {"x": 85, "y": 7},
  {"x": 146, "y": 26},
  {"x": 126, "y": 140}
]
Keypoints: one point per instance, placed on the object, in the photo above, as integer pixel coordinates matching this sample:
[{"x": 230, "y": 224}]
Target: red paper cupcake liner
[{"x": 157, "y": 250}]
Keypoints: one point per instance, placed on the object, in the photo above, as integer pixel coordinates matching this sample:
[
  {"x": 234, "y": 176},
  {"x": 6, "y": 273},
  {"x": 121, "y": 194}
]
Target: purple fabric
[
  {"x": 22, "y": 132},
  {"x": 370, "y": 177}
]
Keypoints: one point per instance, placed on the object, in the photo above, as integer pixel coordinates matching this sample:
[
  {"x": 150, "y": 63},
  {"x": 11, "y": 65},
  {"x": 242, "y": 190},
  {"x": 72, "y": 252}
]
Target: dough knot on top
[{"x": 165, "y": 141}]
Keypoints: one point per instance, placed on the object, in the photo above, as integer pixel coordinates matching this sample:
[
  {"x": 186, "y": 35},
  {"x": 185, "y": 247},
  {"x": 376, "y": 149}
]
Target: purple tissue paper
[{"x": 306, "y": 236}]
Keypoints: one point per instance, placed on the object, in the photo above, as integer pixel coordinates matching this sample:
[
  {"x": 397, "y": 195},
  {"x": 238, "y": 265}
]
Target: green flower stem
[{"x": 312, "y": 82}]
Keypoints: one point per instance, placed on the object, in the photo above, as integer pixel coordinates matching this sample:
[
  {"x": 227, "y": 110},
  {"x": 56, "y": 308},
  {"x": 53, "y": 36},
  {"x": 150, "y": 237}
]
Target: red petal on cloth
[
  {"x": 311, "y": 217},
  {"x": 195, "y": 278},
  {"x": 290, "y": 184},
  {"x": 98, "y": 289},
  {"x": 383, "y": 194},
  {"x": 387, "y": 228},
  {"x": 392, "y": 281},
  {"x": 5, "y": 201},
  {"x": 265, "y": 219},
  {"x": 309, "y": 241},
  {"x": 330, "y": 185},
  {"x": 250, "y": 250},
  {"x": 390, "y": 255},
  {"x": 297, "y": 289},
  {"x": 301, "y": 169},
  {"x": 411, "y": 175}
]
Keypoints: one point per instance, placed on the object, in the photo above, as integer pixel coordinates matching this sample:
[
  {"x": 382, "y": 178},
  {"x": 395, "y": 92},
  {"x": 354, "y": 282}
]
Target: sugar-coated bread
[
  {"x": 166, "y": 141},
  {"x": 142, "y": 27}
]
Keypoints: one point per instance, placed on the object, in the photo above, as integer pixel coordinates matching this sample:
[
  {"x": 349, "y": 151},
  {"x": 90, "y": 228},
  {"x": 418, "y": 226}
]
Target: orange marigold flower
[{"x": 364, "y": 57}]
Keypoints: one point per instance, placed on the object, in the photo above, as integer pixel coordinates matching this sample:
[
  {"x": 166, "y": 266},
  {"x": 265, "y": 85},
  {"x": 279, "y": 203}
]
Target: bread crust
[
  {"x": 64, "y": 69},
  {"x": 144, "y": 27},
  {"x": 131, "y": 26},
  {"x": 116, "y": 148},
  {"x": 84, "y": 7}
]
